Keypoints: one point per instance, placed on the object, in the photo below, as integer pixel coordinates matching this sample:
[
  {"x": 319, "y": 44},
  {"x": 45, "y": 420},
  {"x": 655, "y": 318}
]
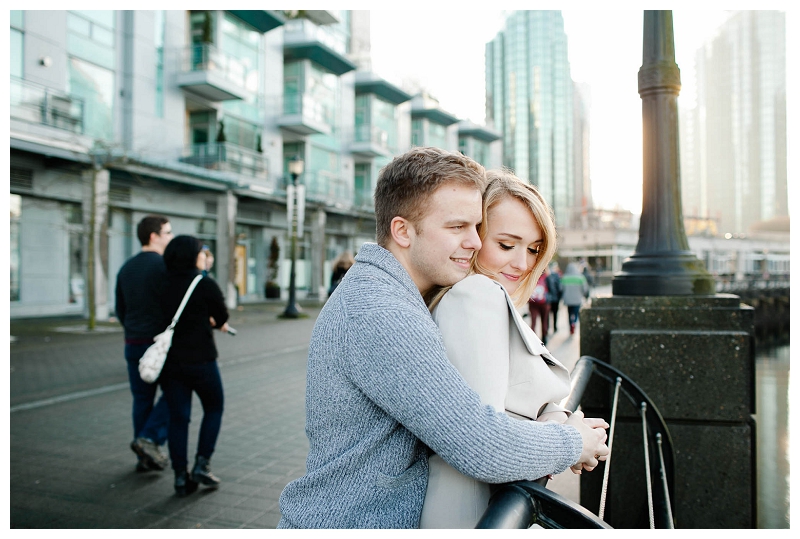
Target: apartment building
[{"x": 195, "y": 115}]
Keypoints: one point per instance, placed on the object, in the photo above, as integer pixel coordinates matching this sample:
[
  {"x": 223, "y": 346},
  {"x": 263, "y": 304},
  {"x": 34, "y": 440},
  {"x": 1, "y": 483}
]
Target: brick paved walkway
[{"x": 70, "y": 427}]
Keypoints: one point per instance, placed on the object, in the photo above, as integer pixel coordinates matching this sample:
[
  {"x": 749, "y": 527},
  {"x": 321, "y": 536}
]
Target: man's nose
[{"x": 473, "y": 241}]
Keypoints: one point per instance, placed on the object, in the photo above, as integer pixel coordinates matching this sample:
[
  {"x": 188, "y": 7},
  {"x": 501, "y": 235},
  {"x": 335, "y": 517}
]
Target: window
[
  {"x": 17, "y": 53},
  {"x": 96, "y": 86},
  {"x": 417, "y": 134},
  {"x": 159, "y": 43},
  {"x": 17, "y": 46},
  {"x": 15, "y": 204},
  {"x": 436, "y": 134},
  {"x": 90, "y": 35}
]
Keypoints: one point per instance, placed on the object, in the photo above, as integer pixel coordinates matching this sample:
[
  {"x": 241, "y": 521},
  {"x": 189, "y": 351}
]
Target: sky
[{"x": 445, "y": 53}]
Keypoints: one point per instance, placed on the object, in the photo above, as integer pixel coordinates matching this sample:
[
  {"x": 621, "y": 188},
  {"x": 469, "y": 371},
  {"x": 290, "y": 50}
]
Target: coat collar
[{"x": 532, "y": 342}]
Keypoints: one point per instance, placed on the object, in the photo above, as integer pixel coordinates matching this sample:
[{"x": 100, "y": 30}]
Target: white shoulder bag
[{"x": 152, "y": 361}]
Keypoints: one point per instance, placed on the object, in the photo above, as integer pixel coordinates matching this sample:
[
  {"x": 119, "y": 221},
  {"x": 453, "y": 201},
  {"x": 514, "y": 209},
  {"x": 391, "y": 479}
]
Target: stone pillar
[
  {"x": 227, "y": 207},
  {"x": 695, "y": 358},
  {"x": 691, "y": 350},
  {"x": 317, "y": 288}
]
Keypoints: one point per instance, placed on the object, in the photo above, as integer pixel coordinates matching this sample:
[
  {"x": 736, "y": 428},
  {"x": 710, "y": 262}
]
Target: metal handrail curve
[{"x": 521, "y": 504}]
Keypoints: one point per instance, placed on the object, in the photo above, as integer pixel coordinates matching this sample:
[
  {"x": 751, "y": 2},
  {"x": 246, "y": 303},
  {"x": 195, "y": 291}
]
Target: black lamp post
[
  {"x": 662, "y": 264},
  {"x": 292, "y": 206}
]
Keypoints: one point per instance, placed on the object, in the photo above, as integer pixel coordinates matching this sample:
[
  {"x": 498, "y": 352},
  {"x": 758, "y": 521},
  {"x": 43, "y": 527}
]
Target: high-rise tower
[
  {"x": 736, "y": 173},
  {"x": 529, "y": 99}
]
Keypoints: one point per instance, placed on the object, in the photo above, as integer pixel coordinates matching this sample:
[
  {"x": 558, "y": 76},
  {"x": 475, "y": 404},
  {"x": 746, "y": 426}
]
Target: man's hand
[
  {"x": 594, "y": 436},
  {"x": 212, "y": 321}
]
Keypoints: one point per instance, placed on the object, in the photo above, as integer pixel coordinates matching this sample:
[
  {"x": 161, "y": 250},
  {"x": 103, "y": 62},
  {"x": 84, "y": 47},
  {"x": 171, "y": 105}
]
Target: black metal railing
[{"x": 522, "y": 504}]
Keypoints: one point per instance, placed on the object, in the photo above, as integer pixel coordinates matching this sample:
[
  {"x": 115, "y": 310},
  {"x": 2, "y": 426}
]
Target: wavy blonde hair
[{"x": 503, "y": 184}]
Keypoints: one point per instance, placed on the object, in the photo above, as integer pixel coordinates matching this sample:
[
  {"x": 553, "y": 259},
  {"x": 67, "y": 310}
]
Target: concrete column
[
  {"x": 316, "y": 288},
  {"x": 98, "y": 181},
  {"x": 227, "y": 207}
]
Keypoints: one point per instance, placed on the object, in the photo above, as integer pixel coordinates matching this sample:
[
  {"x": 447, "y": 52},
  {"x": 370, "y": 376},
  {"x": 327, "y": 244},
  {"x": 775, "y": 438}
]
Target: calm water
[{"x": 772, "y": 433}]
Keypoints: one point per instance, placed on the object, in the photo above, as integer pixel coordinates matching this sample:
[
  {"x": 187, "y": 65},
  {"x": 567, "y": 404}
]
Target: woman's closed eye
[{"x": 535, "y": 251}]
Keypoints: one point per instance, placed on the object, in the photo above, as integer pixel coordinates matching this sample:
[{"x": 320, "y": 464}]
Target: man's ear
[{"x": 401, "y": 230}]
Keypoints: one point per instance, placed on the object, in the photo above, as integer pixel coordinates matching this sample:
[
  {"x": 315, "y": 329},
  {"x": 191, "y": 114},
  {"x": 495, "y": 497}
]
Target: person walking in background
[
  {"x": 138, "y": 291},
  {"x": 191, "y": 364},
  {"x": 206, "y": 271},
  {"x": 539, "y": 307},
  {"x": 338, "y": 269},
  {"x": 554, "y": 292},
  {"x": 587, "y": 274},
  {"x": 576, "y": 289}
]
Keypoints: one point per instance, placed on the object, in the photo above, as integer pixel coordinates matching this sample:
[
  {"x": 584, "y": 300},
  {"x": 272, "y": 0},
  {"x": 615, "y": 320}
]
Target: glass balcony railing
[
  {"x": 324, "y": 187},
  {"x": 38, "y": 104},
  {"x": 308, "y": 108},
  {"x": 229, "y": 157},
  {"x": 373, "y": 134},
  {"x": 363, "y": 199},
  {"x": 305, "y": 30},
  {"x": 207, "y": 57}
]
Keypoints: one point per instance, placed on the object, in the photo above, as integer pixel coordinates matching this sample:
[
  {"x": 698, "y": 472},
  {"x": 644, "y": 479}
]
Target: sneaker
[{"x": 152, "y": 455}]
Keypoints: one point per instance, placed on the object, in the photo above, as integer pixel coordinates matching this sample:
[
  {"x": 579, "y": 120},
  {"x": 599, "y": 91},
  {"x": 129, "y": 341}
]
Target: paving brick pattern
[{"x": 70, "y": 464}]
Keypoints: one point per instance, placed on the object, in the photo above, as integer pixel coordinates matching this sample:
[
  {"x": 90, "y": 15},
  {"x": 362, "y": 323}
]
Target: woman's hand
[
  {"x": 594, "y": 437},
  {"x": 224, "y": 328}
]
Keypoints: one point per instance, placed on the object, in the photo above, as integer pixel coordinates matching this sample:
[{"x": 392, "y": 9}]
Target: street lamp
[{"x": 293, "y": 209}]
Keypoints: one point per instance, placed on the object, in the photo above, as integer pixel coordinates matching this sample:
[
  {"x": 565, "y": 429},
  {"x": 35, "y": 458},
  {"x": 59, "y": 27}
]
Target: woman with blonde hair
[{"x": 496, "y": 352}]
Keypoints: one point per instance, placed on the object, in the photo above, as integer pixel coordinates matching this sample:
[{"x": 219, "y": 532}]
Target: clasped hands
[{"x": 593, "y": 433}]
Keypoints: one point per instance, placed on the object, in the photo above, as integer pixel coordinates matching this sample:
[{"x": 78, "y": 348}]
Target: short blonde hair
[{"x": 504, "y": 184}]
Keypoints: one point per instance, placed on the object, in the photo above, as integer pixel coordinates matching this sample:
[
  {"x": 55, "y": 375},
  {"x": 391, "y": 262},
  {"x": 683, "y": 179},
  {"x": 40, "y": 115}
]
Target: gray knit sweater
[{"x": 379, "y": 390}]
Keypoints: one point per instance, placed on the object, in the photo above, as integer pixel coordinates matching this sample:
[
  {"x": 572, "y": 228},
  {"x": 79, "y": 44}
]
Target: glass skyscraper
[
  {"x": 529, "y": 100},
  {"x": 733, "y": 152}
]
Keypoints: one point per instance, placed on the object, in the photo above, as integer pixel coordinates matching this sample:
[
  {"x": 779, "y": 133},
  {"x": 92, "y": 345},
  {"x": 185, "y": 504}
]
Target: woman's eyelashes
[{"x": 531, "y": 250}]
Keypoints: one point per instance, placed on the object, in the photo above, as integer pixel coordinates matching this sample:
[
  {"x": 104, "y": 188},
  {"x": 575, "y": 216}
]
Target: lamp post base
[
  {"x": 670, "y": 274},
  {"x": 293, "y": 311}
]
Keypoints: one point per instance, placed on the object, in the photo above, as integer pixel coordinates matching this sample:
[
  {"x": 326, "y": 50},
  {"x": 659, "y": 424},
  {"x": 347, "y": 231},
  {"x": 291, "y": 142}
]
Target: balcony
[
  {"x": 41, "y": 105},
  {"x": 227, "y": 156},
  {"x": 261, "y": 20},
  {"x": 370, "y": 141},
  {"x": 303, "y": 40},
  {"x": 321, "y": 186},
  {"x": 303, "y": 115},
  {"x": 212, "y": 74},
  {"x": 363, "y": 200}
]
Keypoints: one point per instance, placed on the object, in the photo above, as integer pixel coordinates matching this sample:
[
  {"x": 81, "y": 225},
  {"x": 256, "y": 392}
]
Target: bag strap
[{"x": 185, "y": 300}]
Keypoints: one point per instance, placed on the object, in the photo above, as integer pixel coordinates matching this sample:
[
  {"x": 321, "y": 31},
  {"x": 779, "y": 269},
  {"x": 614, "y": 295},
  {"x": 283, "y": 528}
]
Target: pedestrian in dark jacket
[
  {"x": 339, "y": 268},
  {"x": 191, "y": 364},
  {"x": 554, "y": 292},
  {"x": 140, "y": 282}
]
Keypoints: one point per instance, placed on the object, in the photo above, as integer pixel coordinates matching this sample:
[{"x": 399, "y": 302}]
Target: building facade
[
  {"x": 529, "y": 100},
  {"x": 195, "y": 115},
  {"x": 733, "y": 147}
]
